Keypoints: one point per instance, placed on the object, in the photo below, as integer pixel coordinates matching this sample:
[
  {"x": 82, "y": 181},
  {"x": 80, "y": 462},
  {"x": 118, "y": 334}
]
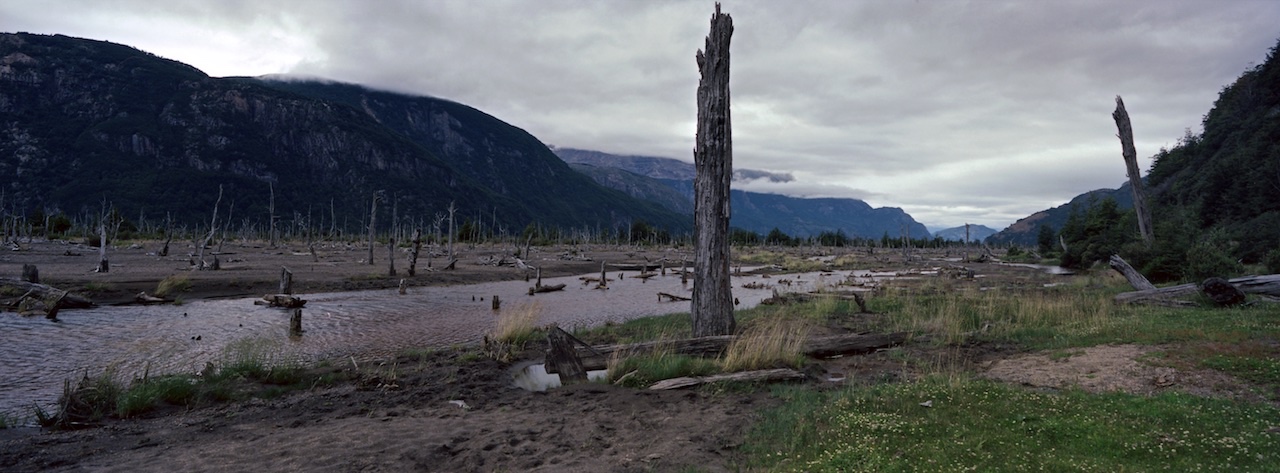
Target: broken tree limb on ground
[
  {"x": 1136, "y": 279},
  {"x": 597, "y": 357},
  {"x": 70, "y": 301},
  {"x": 1268, "y": 285},
  {"x": 773, "y": 375}
]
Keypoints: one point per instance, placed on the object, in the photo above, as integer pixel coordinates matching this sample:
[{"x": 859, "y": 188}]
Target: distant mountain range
[
  {"x": 976, "y": 233},
  {"x": 91, "y": 123},
  {"x": 670, "y": 181}
]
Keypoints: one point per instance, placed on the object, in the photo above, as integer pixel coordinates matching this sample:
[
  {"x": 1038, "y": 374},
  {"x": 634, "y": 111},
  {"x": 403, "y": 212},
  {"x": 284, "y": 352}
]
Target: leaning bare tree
[
  {"x": 1135, "y": 176},
  {"x": 712, "y": 310}
]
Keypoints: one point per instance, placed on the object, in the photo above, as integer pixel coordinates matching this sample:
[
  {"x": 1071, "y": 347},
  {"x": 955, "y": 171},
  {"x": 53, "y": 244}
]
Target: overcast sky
[{"x": 979, "y": 111}]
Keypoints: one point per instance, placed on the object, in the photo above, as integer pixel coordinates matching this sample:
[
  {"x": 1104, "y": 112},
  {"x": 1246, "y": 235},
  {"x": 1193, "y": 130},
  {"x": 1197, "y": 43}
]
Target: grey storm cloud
[{"x": 956, "y": 111}]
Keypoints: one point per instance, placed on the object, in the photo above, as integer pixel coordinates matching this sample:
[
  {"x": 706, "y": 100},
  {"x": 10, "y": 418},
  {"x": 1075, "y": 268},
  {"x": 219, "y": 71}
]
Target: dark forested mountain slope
[{"x": 83, "y": 122}]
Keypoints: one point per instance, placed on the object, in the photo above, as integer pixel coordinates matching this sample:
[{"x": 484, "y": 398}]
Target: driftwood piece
[
  {"x": 672, "y": 297},
  {"x": 1268, "y": 285},
  {"x": 286, "y": 301},
  {"x": 1136, "y": 279},
  {"x": 144, "y": 298},
  {"x": 597, "y": 357},
  {"x": 69, "y": 301},
  {"x": 773, "y": 375},
  {"x": 548, "y": 288}
]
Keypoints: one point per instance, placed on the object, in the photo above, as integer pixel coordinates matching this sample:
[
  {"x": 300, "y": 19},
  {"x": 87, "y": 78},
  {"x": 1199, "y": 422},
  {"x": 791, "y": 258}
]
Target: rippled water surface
[{"x": 36, "y": 355}]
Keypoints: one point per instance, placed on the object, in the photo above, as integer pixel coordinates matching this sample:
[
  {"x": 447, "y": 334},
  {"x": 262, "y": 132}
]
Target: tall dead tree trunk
[
  {"x": 1135, "y": 176},
  {"x": 373, "y": 220},
  {"x": 712, "y": 310},
  {"x": 271, "y": 215}
]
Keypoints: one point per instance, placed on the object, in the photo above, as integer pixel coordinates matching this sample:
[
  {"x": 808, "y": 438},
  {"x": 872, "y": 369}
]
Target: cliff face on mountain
[{"x": 85, "y": 122}]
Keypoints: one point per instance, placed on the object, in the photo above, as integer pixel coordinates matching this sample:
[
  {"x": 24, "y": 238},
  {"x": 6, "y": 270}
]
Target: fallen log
[
  {"x": 773, "y": 375},
  {"x": 597, "y": 357},
  {"x": 1268, "y": 285},
  {"x": 1136, "y": 279},
  {"x": 70, "y": 301},
  {"x": 281, "y": 300}
]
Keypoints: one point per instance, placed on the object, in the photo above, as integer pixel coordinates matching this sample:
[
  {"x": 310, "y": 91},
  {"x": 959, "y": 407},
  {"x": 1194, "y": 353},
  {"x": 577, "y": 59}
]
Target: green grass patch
[
  {"x": 644, "y": 370},
  {"x": 1065, "y": 317},
  {"x": 985, "y": 426}
]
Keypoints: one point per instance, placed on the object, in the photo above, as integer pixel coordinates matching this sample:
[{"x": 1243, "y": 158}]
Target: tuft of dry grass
[
  {"x": 767, "y": 343},
  {"x": 172, "y": 285},
  {"x": 518, "y": 324}
]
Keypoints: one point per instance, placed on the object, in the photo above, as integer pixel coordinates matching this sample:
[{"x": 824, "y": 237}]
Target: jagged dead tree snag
[
  {"x": 712, "y": 308},
  {"x": 373, "y": 219},
  {"x": 414, "y": 250},
  {"x": 452, "y": 210},
  {"x": 562, "y": 357},
  {"x": 271, "y": 215},
  {"x": 1135, "y": 176},
  {"x": 391, "y": 241},
  {"x": 103, "y": 266},
  {"x": 168, "y": 235},
  {"x": 213, "y": 227}
]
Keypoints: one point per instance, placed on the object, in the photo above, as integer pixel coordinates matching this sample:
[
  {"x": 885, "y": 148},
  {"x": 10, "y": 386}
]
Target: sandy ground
[{"x": 447, "y": 412}]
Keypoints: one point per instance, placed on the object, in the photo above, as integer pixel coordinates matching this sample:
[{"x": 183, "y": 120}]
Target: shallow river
[{"x": 36, "y": 355}]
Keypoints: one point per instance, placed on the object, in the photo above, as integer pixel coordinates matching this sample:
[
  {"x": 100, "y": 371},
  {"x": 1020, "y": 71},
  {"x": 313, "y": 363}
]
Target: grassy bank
[{"x": 972, "y": 424}]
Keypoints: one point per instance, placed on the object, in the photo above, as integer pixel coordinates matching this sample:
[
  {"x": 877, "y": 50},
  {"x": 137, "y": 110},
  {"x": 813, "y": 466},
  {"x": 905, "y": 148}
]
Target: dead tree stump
[
  {"x": 295, "y": 322},
  {"x": 562, "y": 356},
  {"x": 286, "y": 281},
  {"x": 30, "y": 273},
  {"x": 712, "y": 312}
]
